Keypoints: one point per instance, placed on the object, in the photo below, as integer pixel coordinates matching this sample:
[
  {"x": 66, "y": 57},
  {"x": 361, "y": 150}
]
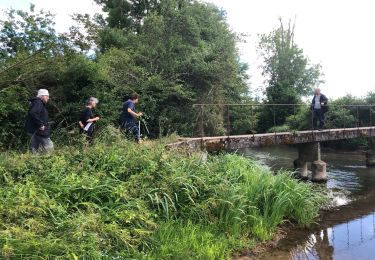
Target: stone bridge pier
[
  {"x": 310, "y": 152},
  {"x": 370, "y": 154}
]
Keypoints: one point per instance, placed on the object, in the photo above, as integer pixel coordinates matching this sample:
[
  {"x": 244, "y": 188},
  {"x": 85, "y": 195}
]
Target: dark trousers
[
  {"x": 40, "y": 144},
  {"x": 89, "y": 134},
  {"x": 131, "y": 128},
  {"x": 318, "y": 119}
]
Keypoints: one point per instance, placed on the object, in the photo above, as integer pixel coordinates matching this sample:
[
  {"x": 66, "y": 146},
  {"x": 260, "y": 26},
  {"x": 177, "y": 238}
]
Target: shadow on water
[{"x": 345, "y": 232}]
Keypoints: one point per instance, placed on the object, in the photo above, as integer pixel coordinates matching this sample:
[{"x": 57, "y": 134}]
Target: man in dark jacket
[
  {"x": 129, "y": 115},
  {"x": 37, "y": 123},
  {"x": 319, "y": 106}
]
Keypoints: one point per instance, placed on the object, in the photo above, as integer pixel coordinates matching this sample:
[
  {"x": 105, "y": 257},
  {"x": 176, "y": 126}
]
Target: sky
[{"x": 338, "y": 34}]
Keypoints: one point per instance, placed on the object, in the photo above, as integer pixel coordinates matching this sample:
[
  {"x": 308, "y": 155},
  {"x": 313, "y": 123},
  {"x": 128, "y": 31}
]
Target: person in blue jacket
[
  {"x": 37, "y": 125},
  {"x": 129, "y": 115}
]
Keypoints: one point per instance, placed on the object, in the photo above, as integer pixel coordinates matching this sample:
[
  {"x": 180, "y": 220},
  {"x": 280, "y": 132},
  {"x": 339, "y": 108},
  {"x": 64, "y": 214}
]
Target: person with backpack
[
  {"x": 86, "y": 118},
  {"x": 37, "y": 125},
  {"x": 319, "y": 106},
  {"x": 129, "y": 115}
]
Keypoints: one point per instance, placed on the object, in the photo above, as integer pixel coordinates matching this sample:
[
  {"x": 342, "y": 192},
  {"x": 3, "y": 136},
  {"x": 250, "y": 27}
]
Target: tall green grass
[{"x": 120, "y": 199}]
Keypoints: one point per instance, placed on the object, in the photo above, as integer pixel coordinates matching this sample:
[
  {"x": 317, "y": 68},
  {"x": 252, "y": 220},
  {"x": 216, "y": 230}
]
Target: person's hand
[
  {"x": 140, "y": 114},
  {"x": 97, "y": 118},
  {"x": 42, "y": 128}
]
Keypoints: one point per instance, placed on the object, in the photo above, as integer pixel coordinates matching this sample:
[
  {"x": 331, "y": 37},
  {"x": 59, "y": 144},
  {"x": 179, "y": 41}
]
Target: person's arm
[
  {"x": 87, "y": 117},
  {"x": 35, "y": 114},
  {"x": 93, "y": 119},
  {"x": 134, "y": 114}
]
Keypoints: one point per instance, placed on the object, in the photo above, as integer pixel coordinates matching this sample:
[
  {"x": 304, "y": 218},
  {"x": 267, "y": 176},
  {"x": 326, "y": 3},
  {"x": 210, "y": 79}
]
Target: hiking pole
[
  {"x": 144, "y": 123},
  {"x": 139, "y": 129}
]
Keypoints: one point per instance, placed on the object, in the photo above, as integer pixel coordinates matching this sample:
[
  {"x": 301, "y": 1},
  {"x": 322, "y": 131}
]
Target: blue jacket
[{"x": 126, "y": 117}]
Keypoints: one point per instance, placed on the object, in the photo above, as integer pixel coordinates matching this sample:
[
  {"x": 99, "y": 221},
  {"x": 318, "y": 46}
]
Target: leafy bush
[
  {"x": 340, "y": 117},
  {"x": 279, "y": 129},
  {"x": 301, "y": 120},
  {"x": 13, "y": 104},
  {"x": 121, "y": 199}
]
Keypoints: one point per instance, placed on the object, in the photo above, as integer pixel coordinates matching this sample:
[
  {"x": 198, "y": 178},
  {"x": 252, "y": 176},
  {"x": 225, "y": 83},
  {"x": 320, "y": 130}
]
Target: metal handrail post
[
  {"x": 202, "y": 126},
  {"x": 228, "y": 121}
]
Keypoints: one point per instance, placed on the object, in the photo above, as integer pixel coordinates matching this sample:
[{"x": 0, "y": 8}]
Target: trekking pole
[
  {"x": 144, "y": 123},
  {"x": 139, "y": 129}
]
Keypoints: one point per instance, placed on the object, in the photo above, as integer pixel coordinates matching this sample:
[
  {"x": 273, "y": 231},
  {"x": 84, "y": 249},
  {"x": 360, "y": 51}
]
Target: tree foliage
[
  {"x": 288, "y": 72},
  {"x": 174, "y": 53},
  {"x": 128, "y": 14}
]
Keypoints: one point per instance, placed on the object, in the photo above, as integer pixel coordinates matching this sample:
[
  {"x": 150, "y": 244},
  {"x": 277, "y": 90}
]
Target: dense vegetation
[
  {"x": 178, "y": 53},
  {"x": 174, "y": 53},
  {"x": 119, "y": 199}
]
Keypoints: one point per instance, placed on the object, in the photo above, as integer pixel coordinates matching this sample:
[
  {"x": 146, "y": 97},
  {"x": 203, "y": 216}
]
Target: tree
[
  {"x": 174, "y": 53},
  {"x": 27, "y": 43},
  {"x": 34, "y": 56},
  {"x": 28, "y": 32},
  {"x": 127, "y": 14},
  {"x": 289, "y": 75},
  {"x": 188, "y": 55}
]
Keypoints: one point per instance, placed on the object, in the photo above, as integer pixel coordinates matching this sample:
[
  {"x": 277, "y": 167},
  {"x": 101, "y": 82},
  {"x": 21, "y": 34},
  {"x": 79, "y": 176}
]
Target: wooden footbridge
[
  {"x": 308, "y": 141},
  {"x": 235, "y": 142}
]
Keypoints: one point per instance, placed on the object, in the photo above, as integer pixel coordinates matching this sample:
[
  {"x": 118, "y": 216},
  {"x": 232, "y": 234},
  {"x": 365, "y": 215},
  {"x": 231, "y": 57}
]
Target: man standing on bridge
[{"x": 319, "y": 106}]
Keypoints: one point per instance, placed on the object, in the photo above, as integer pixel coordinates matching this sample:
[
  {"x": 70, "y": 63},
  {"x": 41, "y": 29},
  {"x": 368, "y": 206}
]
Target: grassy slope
[{"x": 140, "y": 201}]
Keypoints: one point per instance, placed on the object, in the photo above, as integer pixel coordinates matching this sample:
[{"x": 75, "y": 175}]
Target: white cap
[{"x": 42, "y": 92}]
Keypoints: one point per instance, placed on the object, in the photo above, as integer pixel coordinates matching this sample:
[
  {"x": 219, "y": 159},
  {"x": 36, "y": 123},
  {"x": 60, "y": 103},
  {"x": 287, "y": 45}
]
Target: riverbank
[{"x": 121, "y": 199}]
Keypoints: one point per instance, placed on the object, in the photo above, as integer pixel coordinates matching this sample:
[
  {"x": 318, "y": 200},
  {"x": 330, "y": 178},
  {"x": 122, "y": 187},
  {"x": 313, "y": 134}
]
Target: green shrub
[{"x": 279, "y": 129}]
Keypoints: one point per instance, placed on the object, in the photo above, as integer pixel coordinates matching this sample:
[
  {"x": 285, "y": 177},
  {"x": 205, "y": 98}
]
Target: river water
[{"x": 345, "y": 232}]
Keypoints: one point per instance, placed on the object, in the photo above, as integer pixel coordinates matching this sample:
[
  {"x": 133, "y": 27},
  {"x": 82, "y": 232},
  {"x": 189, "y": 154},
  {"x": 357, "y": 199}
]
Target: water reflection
[
  {"x": 351, "y": 240},
  {"x": 317, "y": 246},
  {"x": 348, "y": 231}
]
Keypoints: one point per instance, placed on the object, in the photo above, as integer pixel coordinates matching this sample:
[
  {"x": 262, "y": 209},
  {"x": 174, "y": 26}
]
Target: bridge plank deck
[{"x": 233, "y": 142}]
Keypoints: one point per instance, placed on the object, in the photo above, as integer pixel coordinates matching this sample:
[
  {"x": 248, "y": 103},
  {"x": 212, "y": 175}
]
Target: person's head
[
  {"x": 135, "y": 98},
  {"x": 317, "y": 91},
  {"x": 92, "y": 102},
  {"x": 43, "y": 94}
]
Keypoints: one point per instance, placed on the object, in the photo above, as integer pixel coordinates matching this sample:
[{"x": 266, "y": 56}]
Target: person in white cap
[{"x": 37, "y": 123}]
